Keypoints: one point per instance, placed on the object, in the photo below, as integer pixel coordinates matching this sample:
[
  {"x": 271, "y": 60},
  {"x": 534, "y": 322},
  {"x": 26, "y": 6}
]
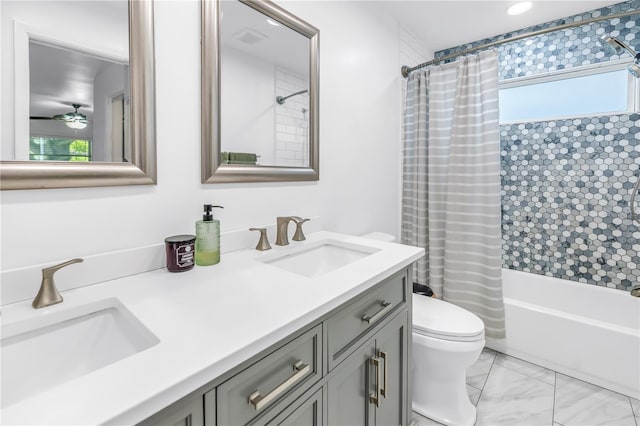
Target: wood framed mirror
[{"x": 259, "y": 93}]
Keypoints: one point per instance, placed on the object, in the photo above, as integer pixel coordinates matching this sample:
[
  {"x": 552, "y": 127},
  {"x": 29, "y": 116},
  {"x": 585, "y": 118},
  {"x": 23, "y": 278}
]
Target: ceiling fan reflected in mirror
[{"x": 75, "y": 120}]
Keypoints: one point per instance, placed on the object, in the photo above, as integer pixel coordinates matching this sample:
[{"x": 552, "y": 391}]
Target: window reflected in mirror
[
  {"x": 77, "y": 95},
  {"x": 42, "y": 148}
]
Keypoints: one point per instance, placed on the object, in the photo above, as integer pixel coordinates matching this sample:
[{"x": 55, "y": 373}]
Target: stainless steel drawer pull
[
  {"x": 385, "y": 307},
  {"x": 385, "y": 358},
  {"x": 374, "y": 398},
  {"x": 259, "y": 401}
]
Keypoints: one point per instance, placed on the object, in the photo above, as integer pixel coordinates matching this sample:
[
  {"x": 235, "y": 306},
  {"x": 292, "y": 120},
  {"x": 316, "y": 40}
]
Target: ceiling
[
  {"x": 438, "y": 23},
  {"x": 60, "y": 78},
  {"x": 447, "y": 23},
  {"x": 249, "y": 31},
  {"x": 63, "y": 59}
]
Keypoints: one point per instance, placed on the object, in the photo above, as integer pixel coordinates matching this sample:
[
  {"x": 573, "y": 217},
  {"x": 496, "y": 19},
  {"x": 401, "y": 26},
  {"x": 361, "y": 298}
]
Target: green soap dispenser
[{"x": 208, "y": 238}]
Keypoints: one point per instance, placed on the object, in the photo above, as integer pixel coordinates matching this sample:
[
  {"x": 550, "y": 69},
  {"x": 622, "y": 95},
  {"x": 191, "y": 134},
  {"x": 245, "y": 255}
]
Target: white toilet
[{"x": 446, "y": 340}]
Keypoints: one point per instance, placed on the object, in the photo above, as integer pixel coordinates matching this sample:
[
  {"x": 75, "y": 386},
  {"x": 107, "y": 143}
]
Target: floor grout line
[
  {"x": 486, "y": 379},
  {"x": 553, "y": 408},
  {"x": 554, "y": 377},
  {"x": 635, "y": 418},
  {"x": 493, "y": 360}
]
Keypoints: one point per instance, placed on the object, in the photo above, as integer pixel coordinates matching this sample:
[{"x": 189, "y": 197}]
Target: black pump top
[{"x": 208, "y": 216}]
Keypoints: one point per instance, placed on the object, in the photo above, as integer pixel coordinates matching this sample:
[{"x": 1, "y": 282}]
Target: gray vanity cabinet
[
  {"x": 347, "y": 327},
  {"x": 349, "y": 367},
  {"x": 280, "y": 377},
  {"x": 392, "y": 346},
  {"x": 350, "y": 389},
  {"x": 371, "y": 386},
  {"x": 188, "y": 411},
  {"x": 309, "y": 413}
]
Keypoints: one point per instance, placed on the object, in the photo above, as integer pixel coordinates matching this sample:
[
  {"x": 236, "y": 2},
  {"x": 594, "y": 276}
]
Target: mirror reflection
[
  {"x": 78, "y": 94},
  {"x": 71, "y": 79},
  {"x": 78, "y": 106},
  {"x": 264, "y": 85}
]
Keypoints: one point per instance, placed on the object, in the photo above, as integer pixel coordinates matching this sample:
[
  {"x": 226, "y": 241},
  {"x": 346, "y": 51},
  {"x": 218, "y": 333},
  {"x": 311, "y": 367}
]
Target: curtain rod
[{"x": 406, "y": 70}]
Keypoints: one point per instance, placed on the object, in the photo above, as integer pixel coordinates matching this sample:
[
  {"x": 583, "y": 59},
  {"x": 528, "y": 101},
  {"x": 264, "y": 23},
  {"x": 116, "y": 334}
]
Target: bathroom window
[
  {"x": 42, "y": 148},
  {"x": 593, "y": 90}
]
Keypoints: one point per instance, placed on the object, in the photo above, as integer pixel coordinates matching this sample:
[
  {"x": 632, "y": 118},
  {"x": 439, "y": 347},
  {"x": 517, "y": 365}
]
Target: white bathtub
[{"x": 585, "y": 331}]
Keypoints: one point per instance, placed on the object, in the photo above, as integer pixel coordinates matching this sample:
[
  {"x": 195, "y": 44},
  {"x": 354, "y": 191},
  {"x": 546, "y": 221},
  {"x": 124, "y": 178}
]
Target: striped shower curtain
[{"x": 451, "y": 184}]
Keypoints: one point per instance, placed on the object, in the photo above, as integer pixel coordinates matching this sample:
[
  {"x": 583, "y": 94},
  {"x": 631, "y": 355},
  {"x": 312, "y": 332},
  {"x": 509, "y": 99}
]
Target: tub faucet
[
  {"x": 635, "y": 291},
  {"x": 48, "y": 294},
  {"x": 282, "y": 228}
]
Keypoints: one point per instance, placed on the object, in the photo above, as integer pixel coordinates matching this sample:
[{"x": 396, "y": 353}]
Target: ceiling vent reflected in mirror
[{"x": 249, "y": 36}]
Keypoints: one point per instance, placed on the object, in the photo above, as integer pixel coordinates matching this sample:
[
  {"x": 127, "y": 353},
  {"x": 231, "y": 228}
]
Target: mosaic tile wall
[{"x": 566, "y": 183}]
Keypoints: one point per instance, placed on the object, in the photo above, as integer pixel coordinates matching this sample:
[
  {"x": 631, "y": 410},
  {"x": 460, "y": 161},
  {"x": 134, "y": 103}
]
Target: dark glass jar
[{"x": 180, "y": 251}]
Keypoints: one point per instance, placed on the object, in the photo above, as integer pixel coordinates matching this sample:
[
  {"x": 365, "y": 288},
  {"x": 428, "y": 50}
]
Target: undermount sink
[
  {"x": 318, "y": 258},
  {"x": 64, "y": 344}
]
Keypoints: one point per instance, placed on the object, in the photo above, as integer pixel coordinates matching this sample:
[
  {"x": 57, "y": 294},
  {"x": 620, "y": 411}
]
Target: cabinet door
[
  {"x": 188, "y": 412},
  {"x": 349, "y": 390},
  {"x": 392, "y": 350},
  {"x": 309, "y": 413}
]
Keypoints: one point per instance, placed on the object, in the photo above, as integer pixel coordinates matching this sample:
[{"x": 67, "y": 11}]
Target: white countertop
[{"x": 208, "y": 320}]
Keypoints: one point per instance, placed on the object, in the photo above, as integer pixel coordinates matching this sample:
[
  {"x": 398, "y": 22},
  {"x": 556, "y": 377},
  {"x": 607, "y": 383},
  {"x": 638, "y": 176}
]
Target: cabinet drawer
[
  {"x": 346, "y": 326},
  {"x": 284, "y": 374}
]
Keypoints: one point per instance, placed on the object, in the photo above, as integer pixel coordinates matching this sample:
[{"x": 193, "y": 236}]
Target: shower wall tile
[
  {"x": 566, "y": 183},
  {"x": 562, "y": 49},
  {"x": 565, "y": 200},
  {"x": 292, "y": 120}
]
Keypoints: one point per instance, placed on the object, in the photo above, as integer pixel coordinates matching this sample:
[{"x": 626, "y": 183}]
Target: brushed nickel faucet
[
  {"x": 48, "y": 294},
  {"x": 263, "y": 243},
  {"x": 282, "y": 228},
  {"x": 299, "y": 235},
  {"x": 282, "y": 225}
]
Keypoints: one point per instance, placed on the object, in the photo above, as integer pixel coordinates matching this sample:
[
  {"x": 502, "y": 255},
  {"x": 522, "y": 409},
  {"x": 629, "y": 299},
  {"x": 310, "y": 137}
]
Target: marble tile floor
[{"x": 510, "y": 392}]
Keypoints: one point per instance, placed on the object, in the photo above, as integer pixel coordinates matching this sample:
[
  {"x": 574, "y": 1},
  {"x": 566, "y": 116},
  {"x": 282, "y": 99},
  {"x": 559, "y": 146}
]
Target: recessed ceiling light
[
  {"x": 518, "y": 8},
  {"x": 272, "y": 22}
]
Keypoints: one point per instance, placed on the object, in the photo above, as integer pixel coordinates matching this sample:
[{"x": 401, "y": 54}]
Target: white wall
[
  {"x": 359, "y": 150},
  {"x": 248, "y": 95},
  {"x": 108, "y": 84}
]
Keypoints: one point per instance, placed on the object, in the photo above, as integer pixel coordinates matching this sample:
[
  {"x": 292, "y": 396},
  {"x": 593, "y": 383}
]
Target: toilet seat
[{"x": 443, "y": 320}]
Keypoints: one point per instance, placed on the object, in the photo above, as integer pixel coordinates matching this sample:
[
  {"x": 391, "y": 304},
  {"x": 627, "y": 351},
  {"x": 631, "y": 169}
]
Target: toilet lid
[{"x": 440, "y": 319}]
